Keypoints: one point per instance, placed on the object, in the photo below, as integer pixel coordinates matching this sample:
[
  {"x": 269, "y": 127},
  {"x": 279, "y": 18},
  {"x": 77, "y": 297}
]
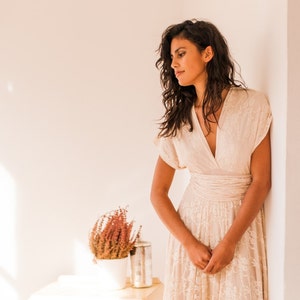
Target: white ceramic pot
[{"x": 112, "y": 273}]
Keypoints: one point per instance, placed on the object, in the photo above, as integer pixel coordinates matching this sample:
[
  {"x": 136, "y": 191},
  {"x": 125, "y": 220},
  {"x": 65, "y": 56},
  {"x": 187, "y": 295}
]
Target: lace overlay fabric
[{"x": 212, "y": 199}]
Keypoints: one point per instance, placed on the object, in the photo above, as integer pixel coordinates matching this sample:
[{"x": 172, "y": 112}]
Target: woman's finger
[{"x": 209, "y": 267}]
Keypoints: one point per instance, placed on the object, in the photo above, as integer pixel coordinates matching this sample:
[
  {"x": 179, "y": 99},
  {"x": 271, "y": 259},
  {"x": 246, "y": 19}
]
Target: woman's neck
[{"x": 200, "y": 88}]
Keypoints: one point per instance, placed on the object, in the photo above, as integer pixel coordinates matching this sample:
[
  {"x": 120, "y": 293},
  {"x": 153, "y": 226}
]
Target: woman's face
[{"x": 188, "y": 63}]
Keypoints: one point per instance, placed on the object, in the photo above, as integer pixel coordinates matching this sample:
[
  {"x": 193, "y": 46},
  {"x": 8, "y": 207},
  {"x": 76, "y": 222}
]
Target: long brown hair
[{"x": 178, "y": 100}]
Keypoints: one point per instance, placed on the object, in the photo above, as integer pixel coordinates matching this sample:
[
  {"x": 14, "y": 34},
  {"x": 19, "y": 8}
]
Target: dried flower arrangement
[{"x": 112, "y": 235}]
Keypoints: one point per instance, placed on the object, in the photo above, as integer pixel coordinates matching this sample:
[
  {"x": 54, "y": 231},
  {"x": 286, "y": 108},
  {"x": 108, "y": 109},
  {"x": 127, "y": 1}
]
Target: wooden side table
[{"x": 72, "y": 287}]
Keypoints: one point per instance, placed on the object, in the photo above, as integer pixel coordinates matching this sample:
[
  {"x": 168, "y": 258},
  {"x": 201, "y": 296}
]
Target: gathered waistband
[{"x": 220, "y": 187}]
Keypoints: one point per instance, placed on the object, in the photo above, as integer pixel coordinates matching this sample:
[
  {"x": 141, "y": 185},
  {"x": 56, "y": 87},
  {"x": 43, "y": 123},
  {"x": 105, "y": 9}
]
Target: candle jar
[{"x": 141, "y": 264}]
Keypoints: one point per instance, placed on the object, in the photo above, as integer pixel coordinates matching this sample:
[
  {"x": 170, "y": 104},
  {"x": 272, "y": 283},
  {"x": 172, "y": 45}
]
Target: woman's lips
[{"x": 178, "y": 73}]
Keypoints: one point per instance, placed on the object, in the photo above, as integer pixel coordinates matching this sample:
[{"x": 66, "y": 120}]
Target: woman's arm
[
  {"x": 162, "y": 180},
  {"x": 252, "y": 203}
]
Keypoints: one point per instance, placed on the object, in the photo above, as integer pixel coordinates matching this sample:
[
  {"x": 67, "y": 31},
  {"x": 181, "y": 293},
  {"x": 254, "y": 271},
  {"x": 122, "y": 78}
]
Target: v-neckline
[{"x": 214, "y": 156}]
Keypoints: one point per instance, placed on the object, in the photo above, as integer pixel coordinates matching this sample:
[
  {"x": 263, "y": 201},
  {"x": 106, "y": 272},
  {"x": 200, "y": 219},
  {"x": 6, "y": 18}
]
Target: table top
[{"x": 73, "y": 287}]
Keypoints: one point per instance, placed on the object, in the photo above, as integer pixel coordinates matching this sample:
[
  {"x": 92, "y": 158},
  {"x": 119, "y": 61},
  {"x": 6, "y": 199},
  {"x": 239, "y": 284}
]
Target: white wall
[{"x": 79, "y": 100}]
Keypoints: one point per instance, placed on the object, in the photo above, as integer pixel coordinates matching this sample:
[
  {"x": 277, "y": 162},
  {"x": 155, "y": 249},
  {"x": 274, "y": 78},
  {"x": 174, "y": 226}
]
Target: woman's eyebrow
[{"x": 179, "y": 48}]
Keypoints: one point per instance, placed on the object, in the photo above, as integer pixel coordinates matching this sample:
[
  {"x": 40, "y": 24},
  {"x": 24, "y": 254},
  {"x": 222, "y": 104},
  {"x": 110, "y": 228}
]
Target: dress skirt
[{"x": 208, "y": 208}]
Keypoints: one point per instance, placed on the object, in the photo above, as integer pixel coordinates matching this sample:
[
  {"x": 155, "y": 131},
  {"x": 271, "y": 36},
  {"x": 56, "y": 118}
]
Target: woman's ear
[{"x": 208, "y": 54}]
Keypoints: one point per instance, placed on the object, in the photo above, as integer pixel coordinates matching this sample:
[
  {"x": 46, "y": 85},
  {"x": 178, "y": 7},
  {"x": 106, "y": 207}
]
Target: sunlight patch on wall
[
  {"x": 83, "y": 259},
  {"x": 8, "y": 261}
]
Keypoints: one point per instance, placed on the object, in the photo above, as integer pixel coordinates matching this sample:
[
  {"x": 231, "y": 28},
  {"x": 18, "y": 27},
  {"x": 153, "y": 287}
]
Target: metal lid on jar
[{"x": 140, "y": 243}]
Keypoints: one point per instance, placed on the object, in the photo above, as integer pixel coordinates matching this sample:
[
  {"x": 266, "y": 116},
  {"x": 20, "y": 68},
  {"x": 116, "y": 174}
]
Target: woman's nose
[{"x": 174, "y": 63}]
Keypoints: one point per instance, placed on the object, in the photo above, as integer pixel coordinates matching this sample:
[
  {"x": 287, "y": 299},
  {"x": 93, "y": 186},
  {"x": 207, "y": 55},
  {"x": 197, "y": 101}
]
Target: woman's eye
[{"x": 181, "y": 54}]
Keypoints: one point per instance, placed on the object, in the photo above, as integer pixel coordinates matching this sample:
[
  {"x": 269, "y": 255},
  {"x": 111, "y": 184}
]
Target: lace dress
[{"x": 212, "y": 199}]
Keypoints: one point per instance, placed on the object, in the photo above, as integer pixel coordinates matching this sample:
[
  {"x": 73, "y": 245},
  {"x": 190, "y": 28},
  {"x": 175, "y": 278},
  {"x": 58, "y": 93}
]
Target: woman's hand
[
  {"x": 199, "y": 254},
  {"x": 222, "y": 255}
]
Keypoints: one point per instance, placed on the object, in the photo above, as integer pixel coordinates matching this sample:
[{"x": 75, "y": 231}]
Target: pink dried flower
[{"x": 112, "y": 235}]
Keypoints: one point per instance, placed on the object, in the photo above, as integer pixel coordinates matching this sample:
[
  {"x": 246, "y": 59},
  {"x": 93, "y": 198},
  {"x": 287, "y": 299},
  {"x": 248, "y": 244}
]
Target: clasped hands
[{"x": 211, "y": 261}]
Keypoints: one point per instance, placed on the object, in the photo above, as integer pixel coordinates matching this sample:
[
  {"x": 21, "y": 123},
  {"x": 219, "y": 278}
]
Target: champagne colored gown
[{"x": 212, "y": 199}]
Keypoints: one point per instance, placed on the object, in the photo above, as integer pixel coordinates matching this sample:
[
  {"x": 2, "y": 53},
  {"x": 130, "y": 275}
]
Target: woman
[{"x": 219, "y": 130}]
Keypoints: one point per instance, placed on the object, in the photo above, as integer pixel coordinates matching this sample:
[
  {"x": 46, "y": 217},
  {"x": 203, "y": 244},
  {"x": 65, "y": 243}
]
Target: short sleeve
[
  {"x": 263, "y": 119},
  {"x": 167, "y": 151}
]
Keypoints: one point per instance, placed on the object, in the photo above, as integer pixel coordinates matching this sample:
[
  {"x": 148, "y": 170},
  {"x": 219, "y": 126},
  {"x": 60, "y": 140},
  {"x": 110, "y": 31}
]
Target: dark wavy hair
[{"x": 178, "y": 100}]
